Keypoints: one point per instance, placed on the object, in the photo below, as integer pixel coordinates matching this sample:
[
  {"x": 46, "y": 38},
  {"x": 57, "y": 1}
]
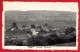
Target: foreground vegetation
[
  {"x": 55, "y": 32},
  {"x": 43, "y": 39}
]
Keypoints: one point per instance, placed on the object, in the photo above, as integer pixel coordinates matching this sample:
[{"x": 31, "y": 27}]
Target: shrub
[
  {"x": 69, "y": 30},
  {"x": 52, "y": 39},
  {"x": 17, "y": 42},
  {"x": 71, "y": 37},
  {"x": 37, "y": 41}
]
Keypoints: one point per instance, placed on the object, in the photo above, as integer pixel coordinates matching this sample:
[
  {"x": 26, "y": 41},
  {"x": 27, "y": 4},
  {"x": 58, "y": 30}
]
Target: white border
[{"x": 39, "y": 47}]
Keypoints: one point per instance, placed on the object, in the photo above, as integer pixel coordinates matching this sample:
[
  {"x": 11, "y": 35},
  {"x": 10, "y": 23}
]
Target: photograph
[{"x": 38, "y": 25}]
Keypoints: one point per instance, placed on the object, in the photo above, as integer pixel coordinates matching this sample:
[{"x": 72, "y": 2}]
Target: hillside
[
  {"x": 53, "y": 18},
  {"x": 39, "y": 15}
]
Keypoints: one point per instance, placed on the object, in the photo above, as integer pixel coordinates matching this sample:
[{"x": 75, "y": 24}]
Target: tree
[
  {"x": 69, "y": 30},
  {"x": 23, "y": 26},
  {"x": 46, "y": 24},
  {"x": 14, "y": 25}
]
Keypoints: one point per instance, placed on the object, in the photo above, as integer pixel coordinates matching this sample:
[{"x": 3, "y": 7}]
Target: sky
[{"x": 55, "y": 6}]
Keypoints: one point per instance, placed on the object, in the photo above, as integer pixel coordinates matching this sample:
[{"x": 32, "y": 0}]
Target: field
[
  {"x": 44, "y": 39},
  {"x": 59, "y": 20}
]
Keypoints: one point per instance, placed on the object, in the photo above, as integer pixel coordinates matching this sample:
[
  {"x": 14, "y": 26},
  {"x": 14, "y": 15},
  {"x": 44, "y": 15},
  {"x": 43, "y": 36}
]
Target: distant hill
[{"x": 39, "y": 15}]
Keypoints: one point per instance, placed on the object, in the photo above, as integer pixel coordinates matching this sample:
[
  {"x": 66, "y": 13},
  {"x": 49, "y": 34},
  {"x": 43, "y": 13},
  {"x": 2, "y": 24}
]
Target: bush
[
  {"x": 33, "y": 41},
  {"x": 69, "y": 30},
  {"x": 37, "y": 41},
  {"x": 41, "y": 40},
  {"x": 17, "y": 42},
  {"x": 52, "y": 39},
  {"x": 71, "y": 37}
]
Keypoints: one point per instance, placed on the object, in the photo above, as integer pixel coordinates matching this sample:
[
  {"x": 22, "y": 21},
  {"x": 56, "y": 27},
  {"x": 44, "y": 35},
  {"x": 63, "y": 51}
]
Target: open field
[
  {"x": 21, "y": 39},
  {"x": 59, "y": 20}
]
